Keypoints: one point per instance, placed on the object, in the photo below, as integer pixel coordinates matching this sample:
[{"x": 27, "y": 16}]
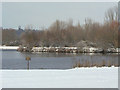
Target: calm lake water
[{"x": 16, "y": 60}]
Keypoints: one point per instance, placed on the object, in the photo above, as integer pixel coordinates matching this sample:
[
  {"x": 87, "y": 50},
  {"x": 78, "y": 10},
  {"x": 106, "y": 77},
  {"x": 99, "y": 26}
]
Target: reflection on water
[{"x": 17, "y": 60}]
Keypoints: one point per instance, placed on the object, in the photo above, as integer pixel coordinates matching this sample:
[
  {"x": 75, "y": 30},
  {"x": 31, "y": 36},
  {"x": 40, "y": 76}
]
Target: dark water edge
[{"x": 15, "y": 60}]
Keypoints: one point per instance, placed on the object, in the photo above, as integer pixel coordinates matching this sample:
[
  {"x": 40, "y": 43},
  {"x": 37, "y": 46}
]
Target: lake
[{"x": 16, "y": 60}]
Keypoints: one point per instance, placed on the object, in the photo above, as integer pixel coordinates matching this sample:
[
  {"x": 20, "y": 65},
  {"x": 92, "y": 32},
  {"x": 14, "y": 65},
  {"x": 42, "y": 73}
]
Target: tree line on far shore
[{"x": 62, "y": 33}]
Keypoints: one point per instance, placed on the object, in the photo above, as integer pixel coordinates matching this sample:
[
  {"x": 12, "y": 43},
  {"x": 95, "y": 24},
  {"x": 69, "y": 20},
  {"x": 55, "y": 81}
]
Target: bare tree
[{"x": 111, "y": 15}]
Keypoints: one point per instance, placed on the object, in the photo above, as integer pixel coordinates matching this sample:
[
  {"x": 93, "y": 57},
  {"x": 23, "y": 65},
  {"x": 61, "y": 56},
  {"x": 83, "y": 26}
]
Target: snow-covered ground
[
  {"x": 9, "y": 47},
  {"x": 73, "y": 78}
]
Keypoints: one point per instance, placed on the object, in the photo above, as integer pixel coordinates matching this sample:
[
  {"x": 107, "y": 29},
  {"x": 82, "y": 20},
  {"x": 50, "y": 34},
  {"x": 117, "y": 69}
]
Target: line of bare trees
[
  {"x": 9, "y": 37},
  {"x": 62, "y": 33}
]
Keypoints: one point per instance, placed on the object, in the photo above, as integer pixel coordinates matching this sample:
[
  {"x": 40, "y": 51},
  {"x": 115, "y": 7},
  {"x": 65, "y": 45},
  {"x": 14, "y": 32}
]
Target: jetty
[{"x": 75, "y": 50}]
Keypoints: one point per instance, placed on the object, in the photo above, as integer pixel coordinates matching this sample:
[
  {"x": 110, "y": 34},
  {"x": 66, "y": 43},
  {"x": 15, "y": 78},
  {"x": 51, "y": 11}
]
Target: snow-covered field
[{"x": 73, "y": 78}]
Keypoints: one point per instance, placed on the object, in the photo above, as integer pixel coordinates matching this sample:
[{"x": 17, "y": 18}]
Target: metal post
[
  {"x": 28, "y": 60},
  {"x": 28, "y": 65}
]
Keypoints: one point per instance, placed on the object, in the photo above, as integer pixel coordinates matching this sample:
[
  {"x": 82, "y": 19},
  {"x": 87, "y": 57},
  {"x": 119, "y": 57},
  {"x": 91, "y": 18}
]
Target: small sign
[{"x": 28, "y": 58}]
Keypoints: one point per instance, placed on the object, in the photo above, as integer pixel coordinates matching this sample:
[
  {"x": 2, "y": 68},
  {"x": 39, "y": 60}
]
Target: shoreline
[
  {"x": 62, "y": 49},
  {"x": 9, "y": 47}
]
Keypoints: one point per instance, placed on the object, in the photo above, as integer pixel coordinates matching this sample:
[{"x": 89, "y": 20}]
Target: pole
[{"x": 28, "y": 65}]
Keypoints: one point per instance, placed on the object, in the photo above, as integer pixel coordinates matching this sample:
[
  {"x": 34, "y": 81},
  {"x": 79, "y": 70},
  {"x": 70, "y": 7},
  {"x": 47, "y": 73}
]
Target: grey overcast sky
[{"x": 40, "y": 14}]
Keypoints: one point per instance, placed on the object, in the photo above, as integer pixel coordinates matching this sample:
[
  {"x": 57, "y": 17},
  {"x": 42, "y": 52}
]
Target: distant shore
[
  {"x": 63, "y": 49},
  {"x": 70, "y": 49}
]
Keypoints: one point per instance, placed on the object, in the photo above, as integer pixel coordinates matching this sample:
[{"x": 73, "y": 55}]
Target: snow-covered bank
[
  {"x": 73, "y": 78},
  {"x": 9, "y": 47},
  {"x": 63, "y": 49}
]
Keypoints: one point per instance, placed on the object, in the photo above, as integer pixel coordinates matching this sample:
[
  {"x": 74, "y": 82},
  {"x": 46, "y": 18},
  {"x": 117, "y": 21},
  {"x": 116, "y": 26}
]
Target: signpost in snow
[{"x": 28, "y": 60}]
